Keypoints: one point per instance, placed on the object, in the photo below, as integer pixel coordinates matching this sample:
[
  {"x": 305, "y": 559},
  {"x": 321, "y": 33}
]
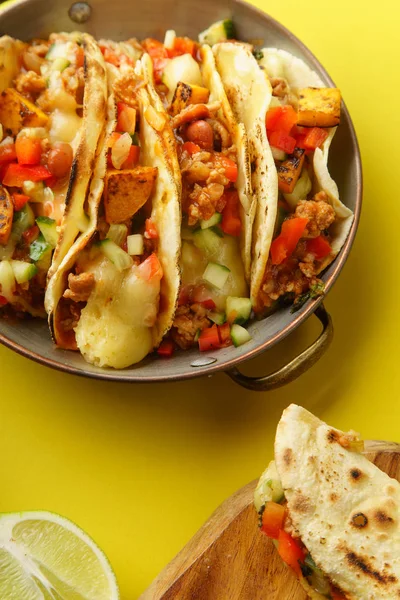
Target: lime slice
[{"x": 46, "y": 557}]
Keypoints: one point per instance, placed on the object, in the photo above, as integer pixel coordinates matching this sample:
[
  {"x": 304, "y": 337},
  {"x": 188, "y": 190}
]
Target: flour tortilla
[
  {"x": 298, "y": 75},
  {"x": 249, "y": 94},
  {"x": 325, "y": 486}
]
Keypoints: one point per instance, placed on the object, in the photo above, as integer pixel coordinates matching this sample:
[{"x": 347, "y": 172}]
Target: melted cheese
[{"x": 115, "y": 327}]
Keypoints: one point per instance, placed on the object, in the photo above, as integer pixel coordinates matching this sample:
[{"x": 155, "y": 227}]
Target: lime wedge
[{"x": 46, "y": 557}]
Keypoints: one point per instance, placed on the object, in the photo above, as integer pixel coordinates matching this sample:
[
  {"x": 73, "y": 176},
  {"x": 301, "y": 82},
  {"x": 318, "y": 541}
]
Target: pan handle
[{"x": 295, "y": 367}]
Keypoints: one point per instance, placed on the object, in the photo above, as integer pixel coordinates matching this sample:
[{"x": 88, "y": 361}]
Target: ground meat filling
[
  {"x": 298, "y": 273},
  {"x": 187, "y": 322},
  {"x": 80, "y": 287}
]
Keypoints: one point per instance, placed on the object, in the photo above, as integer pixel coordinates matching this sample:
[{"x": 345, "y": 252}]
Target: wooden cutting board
[{"x": 229, "y": 559}]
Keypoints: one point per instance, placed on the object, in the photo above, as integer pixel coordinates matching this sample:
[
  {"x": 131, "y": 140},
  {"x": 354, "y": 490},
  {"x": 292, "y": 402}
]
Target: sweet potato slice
[
  {"x": 186, "y": 94},
  {"x": 126, "y": 191},
  {"x": 319, "y": 107},
  {"x": 289, "y": 171},
  {"x": 6, "y": 215},
  {"x": 17, "y": 112}
]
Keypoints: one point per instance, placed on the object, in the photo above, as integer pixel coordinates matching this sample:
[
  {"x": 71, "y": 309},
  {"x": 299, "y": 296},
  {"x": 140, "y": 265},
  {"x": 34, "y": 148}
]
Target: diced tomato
[
  {"x": 151, "y": 232},
  {"x": 281, "y": 118},
  {"x": 3, "y": 301},
  {"x": 224, "y": 332},
  {"x": 29, "y": 150},
  {"x": 15, "y": 174},
  {"x": 191, "y": 148},
  {"x": 166, "y": 348},
  {"x": 231, "y": 223},
  {"x": 182, "y": 46},
  {"x": 19, "y": 201},
  {"x": 284, "y": 245},
  {"x": 185, "y": 295},
  {"x": 80, "y": 57},
  {"x": 201, "y": 295},
  {"x": 318, "y": 246},
  {"x": 298, "y": 130},
  {"x": 230, "y": 167},
  {"x": 315, "y": 137},
  {"x": 209, "y": 339},
  {"x": 209, "y": 304},
  {"x": 126, "y": 118},
  {"x": 282, "y": 140},
  {"x": 151, "y": 268},
  {"x": 290, "y": 551},
  {"x": 7, "y": 153},
  {"x": 51, "y": 181},
  {"x": 30, "y": 234},
  {"x": 158, "y": 54},
  {"x": 133, "y": 157},
  {"x": 273, "y": 519},
  {"x": 110, "y": 56}
]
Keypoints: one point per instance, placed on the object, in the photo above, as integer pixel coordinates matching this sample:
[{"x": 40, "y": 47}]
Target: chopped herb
[
  {"x": 258, "y": 54},
  {"x": 286, "y": 300},
  {"x": 38, "y": 248},
  {"x": 317, "y": 289}
]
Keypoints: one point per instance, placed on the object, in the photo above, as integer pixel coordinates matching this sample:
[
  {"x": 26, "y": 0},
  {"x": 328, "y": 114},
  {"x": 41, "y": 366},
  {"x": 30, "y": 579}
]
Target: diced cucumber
[
  {"x": 56, "y": 51},
  {"x": 23, "y": 219},
  {"x": 214, "y": 220},
  {"x": 269, "y": 487},
  {"x": 181, "y": 68},
  {"x": 7, "y": 251},
  {"x": 7, "y": 280},
  {"x": 216, "y": 275},
  {"x": 217, "y": 318},
  {"x": 196, "y": 337},
  {"x": 238, "y": 310},
  {"x": 169, "y": 39},
  {"x": 59, "y": 64},
  {"x": 315, "y": 577},
  {"x": 278, "y": 154},
  {"x": 135, "y": 244},
  {"x": 239, "y": 335},
  {"x": 207, "y": 241},
  {"x": 190, "y": 256},
  {"x": 218, "y": 32},
  {"x": 116, "y": 255},
  {"x": 35, "y": 190},
  {"x": 275, "y": 102},
  {"x": 301, "y": 189},
  {"x": 40, "y": 252},
  {"x": 23, "y": 271},
  {"x": 48, "y": 227},
  {"x": 117, "y": 233}
]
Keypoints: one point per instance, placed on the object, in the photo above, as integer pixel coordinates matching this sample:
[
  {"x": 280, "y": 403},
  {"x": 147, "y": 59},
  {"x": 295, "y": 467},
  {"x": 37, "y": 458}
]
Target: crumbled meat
[
  {"x": 319, "y": 213},
  {"x": 187, "y": 322},
  {"x": 74, "y": 82},
  {"x": 194, "y": 112},
  {"x": 279, "y": 87},
  {"x": 80, "y": 287},
  {"x": 282, "y": 279},
  {"x": 126, "y": 88},
  {"x": 40, "y": 47},
  {"x": 30, "y": 84},
  {"x": 221, "y": 133},
  {"x": 204, "y": 202},
  {"x": 71, "y": 315}
]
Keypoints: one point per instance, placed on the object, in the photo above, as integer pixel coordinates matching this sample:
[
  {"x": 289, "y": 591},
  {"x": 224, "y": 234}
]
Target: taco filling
[
  {"x": 214, "y": 291},
  {"x": 40, "y": 121}
]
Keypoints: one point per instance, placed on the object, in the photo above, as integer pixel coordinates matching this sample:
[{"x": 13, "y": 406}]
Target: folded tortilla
[
  {"x": 343, "y": 508},
  {"x": 125, "y": 316}
]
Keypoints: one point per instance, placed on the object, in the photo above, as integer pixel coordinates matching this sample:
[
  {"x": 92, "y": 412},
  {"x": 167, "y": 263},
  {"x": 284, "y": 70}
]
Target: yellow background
[{"x": 141, "y": 467}]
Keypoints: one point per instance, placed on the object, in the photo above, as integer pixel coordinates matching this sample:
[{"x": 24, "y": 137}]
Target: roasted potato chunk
[
  {"x": 17, "y": 112},
  {"x": 186, "y": 94},
  {"x": 126, "y": 191},
  {"x": 289, "y": 171},
  {"x": 319, "y": 107},
  {"x": 6, "y": 215}
]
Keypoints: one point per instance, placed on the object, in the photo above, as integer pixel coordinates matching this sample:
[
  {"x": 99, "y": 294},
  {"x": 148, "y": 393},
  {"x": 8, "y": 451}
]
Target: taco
[
  {"x": 334, "y": 514},
  {"x": 52, "y": 111},
  {"x": 209, "y": 156},
  {"x": 114, "y": 294},
  {"x": 312, "y": 224}
]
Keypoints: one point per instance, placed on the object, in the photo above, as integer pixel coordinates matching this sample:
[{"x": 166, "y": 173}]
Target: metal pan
[{"x": 119, "y": 20}]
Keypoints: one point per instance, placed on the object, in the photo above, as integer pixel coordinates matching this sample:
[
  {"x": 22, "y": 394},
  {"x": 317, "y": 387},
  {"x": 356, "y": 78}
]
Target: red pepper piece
[
  {"x": 231, "y": 223},
  {"x": 290, "y": 551},
  {"x": 166, "y": 348},
  {"x": 273, "y": 519},
  {"x": 281, "y": 140},
  {"x": 15, "y": 174},
  {"x": 209, "y": 339},
  {"x": 318, "y": 246},
  {"x": 284, "y": 245}
]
